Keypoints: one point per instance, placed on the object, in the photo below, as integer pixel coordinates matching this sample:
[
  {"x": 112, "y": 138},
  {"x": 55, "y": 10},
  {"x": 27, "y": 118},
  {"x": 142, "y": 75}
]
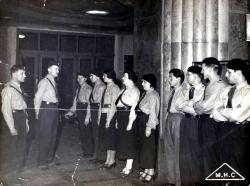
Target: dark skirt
[
  {"x": 147, "y": 145},
  {"x": 107, "y": 136},
  {"x": 126, "y": 142},
  {"x": 190, "y": 160}
]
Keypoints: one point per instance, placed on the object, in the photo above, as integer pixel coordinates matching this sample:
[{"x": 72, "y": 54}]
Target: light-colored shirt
[
  {"x": 180, "y": 95},
  {"x": 45, "y": 92},
  {"x": 212, "y": 92},
  {"x": 130, "y": 97},
  {"x": 188, "y": 106},
  {"x": 97, "y": 92},
  {"x": 150, "y": 105},
  {"x": 240, "y": 110},
  {"x": 111, "y": 94},
  {"x": 12, "y": 100},
  {"x": 82, "y": 97}
]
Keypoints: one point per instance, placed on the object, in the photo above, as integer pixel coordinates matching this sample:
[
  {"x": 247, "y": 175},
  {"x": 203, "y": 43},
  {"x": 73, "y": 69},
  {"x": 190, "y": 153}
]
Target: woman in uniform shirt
[
  {"x": 107, "y": 130},
  {"x": 147, "y": 121},
  {"x": 126, "y": 104}
]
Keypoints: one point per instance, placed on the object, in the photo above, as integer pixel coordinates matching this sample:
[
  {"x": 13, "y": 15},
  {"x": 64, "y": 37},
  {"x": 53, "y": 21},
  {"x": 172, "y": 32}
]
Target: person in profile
[
  {"x": 46, "y": 108},
  {"x": 15, "y": 115}
]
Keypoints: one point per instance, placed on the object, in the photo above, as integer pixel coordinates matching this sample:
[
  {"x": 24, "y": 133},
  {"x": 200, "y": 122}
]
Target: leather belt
[
  {"x": 123, "y": 108},
  {"x": 106, "y": 106}
]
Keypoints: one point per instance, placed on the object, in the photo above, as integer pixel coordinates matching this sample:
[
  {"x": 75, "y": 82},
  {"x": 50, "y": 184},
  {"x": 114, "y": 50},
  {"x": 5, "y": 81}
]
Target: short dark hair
[
  {"x": 214, "y": 63},
  {"x": 178, "y": 73},
  {"x": 110, "y": 74},
  {"x": 151, "y": 79},
  {"x": 131, "y": 75},
  {"x": 238, "y": 64},
  {"x": 16, "y": 67},
  {"x": 196, "y": 70}
]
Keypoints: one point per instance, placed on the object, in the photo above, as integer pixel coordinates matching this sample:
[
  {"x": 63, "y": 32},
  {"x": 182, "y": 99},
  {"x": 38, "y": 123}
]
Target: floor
[{"x": 73, "y": 170}]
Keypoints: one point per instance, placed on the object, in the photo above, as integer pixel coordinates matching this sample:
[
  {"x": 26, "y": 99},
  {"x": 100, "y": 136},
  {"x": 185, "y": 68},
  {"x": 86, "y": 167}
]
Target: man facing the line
[{"x": 46, "y": 107}]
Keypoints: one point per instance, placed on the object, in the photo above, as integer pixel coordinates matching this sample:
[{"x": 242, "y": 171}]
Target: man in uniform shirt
[
  {"x": 171, "y": 137},
  {"x": 95, "y": 106},
  {"x": 189, "y": 146},
  {"x": 208, "y": 127},
  {"x": 82, "y": 108},
  {"x": 46, "y": 107},
  {"x": 13, "y": 109},
  {"x": 233, "y": 111}
]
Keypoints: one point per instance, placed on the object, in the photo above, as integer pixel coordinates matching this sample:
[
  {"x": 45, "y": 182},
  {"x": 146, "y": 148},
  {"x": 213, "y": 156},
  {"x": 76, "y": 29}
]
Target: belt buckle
[{"x": 47, "y": 102}]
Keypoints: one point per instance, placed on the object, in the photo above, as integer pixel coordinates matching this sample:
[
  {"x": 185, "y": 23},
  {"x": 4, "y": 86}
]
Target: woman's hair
[{"x": 151, "y": 79}]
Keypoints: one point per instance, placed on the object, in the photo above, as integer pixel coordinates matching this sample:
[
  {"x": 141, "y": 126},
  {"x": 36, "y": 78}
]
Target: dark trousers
[
  {"x": 48, "y": 124},
  {"x": 20, "y": 140},
  {"x": 234, "y": 149},
  {"x": 147, "y": 145},
  {"x": 208, "y": 129},
  {"x": 85, "y": 130},
  {"x": 94, "y": 122},
  {"x": 126, "y": 140},
  {"x": 190, "y": 160}
]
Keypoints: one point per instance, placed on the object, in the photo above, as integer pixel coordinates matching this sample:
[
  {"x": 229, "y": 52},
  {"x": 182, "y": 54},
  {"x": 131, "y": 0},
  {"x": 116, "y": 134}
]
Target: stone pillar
[
  {"x": 187, "y": 34},
  {"x": 237, "y": 30},
  {"x": 199, "y": 34},
  {"x": 223, "y": 29}
]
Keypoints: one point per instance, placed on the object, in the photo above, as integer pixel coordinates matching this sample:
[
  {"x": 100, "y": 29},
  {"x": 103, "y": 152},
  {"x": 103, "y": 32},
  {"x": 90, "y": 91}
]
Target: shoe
[
  {"x": 103, "y": 167},
  {"x": 148, "y": 178},
  {"x": 113, "y": 165},
  {"x": 23, "y": 179},
  {"x": 126, "y": 172},
  {"x": 142, "y": 175}
]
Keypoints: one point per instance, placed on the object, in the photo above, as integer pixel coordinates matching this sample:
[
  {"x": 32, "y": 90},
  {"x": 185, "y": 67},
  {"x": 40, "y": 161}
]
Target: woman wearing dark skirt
[
  {"x": 147, "y": 121},
  {"x": 107, "y": 128},
  {"x": 126, "y": 104}
]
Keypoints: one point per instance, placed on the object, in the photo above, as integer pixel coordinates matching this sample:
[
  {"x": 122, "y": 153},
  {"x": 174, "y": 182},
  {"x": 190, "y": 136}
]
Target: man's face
[
  {"x": 173, "y": 81},
  {"x": 206, "y": 71},
  {"x": 53, "y": 70},
  {"x": 81, "y": 79},
  {"x": 191, "y": 77},
  {"x": 19, "y": 75},
  {"x": 231, "y": 75}
]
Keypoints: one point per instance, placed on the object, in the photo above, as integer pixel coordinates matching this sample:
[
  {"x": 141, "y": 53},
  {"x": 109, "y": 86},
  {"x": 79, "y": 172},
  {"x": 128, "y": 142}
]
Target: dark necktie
[
  {"x": 191, "y": 93},
  {"x": 170, "y": 100},
  {"x": 91, "y": 97},
  {"x": 230, "y": 97}
]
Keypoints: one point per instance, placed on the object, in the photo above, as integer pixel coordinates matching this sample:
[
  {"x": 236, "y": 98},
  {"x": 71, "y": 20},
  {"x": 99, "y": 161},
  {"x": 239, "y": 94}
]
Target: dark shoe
[
  {"x": 113, "y": 165},
  {"x": 126, "y": 172}
]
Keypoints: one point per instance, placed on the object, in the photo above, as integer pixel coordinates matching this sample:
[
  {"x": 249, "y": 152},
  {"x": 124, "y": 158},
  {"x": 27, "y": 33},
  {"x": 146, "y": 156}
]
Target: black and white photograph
[{"x": 124, "y": 92}]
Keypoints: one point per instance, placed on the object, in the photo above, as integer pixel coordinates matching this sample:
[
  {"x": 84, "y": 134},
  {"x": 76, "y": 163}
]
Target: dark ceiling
[{"x": 69, "y": 14}]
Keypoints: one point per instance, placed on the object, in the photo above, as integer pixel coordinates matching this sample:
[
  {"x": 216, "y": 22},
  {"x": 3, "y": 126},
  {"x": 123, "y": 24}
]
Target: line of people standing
[
  {"x": 207, "y": 123},
  {"x": 113, "y": 121}
]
